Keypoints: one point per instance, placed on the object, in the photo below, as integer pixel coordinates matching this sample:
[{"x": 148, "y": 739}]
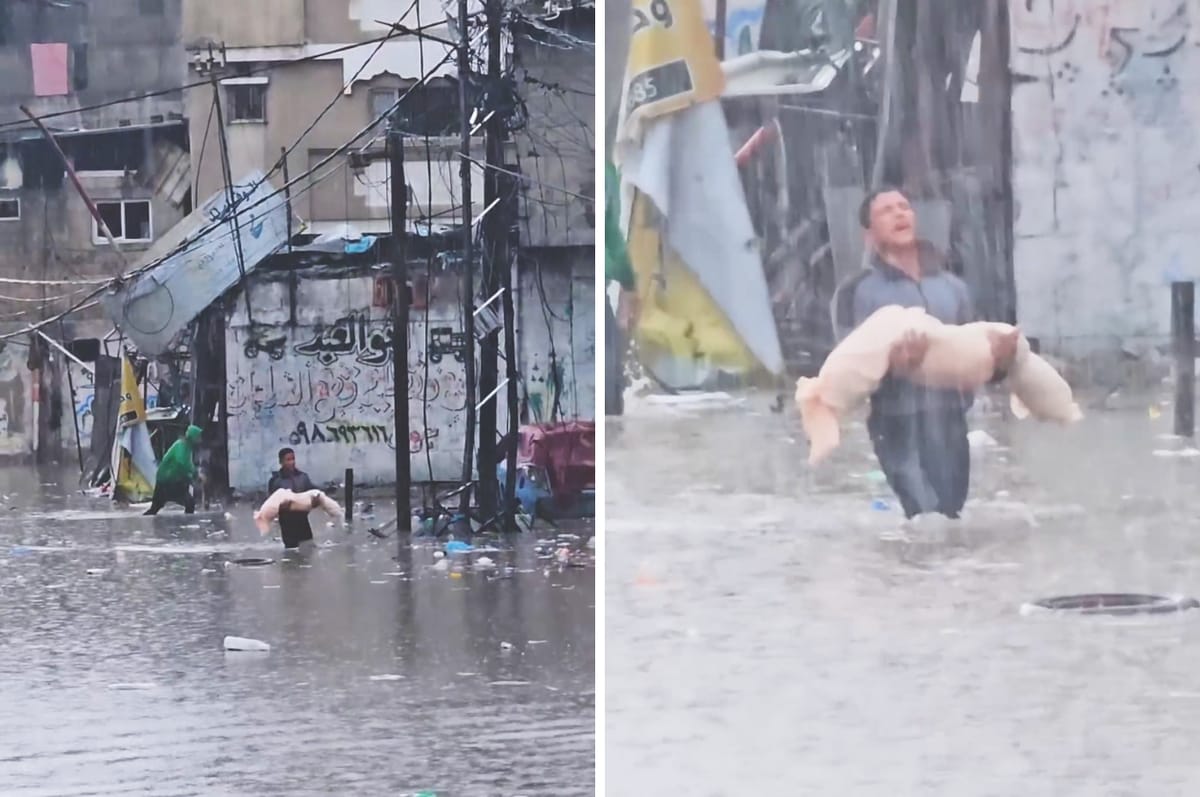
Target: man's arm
[{"x": 273, "y": 483}]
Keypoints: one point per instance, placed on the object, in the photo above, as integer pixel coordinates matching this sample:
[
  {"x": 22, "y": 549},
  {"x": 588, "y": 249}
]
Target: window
[
  {"x": 381, "y": 101},
  {"x": 151, "y": 8},
  {"x": 79, "y": 66},
  {"x": 429, "y": 110},
  {"x": 10, "y": 209},
  {"x": 127, "y": 220},
  {"x": 247, "y": 102}
]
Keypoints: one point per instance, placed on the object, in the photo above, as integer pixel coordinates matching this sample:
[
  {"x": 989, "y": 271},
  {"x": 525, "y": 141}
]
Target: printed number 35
[{"x": 660, "y": 11}]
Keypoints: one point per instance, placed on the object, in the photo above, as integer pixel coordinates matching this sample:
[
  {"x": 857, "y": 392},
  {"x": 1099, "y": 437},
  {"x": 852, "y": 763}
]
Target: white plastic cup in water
[{"x": 247, "y": 645}]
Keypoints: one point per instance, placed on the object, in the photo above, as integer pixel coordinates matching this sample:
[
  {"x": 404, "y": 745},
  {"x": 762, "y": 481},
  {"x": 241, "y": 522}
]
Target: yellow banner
[
  {"x": 672, "y": 60},
  {"x": 133, "y": 443},
  {"x": 678, "y": 320},
  {"x": 132, "y": 409}
]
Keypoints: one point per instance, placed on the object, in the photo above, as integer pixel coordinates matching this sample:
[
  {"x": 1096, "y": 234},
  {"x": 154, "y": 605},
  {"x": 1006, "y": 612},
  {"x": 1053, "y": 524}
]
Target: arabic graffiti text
[{"x": 352, "y": 335}]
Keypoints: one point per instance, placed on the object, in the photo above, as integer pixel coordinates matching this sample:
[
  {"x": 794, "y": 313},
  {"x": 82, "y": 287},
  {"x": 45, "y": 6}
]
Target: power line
[
  {"x": 216, "y": 223},
  {"x": 323, "y": 55}
]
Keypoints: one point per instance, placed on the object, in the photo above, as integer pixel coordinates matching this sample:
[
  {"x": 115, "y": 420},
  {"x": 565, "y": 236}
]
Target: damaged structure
[
  {"x": 1042, "y": 144},
  {"x": 68, "y": 63},
  {"x": 265, "y": 314}
]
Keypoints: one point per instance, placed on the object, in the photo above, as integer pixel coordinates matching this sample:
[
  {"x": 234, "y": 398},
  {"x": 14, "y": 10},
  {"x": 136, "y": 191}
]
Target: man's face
[
  {"x": 288, "y": 462},
  {"x": 893, "y": 222}
]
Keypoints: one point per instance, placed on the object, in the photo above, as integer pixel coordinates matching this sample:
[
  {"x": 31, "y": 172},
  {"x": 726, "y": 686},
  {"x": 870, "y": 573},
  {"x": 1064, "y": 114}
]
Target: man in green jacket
[
  {"x": 618, "y": 269},
  {"x": 176, "y": 472}
]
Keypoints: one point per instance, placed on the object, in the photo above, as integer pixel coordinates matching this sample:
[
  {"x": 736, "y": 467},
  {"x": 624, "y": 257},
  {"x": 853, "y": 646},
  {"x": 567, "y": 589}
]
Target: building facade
[
  {"x": 107, "y": 77},
  {"x": 279, "y": 69}
]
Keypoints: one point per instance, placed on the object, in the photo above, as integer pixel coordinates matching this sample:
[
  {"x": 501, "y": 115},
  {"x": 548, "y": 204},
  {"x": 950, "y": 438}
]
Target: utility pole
[
  {"x": 400, "y": 302},
  {"x": 233, "y": 200},
  {"x": 468, "y": 295},
  {"x": 508, "y": 187},
  {"x": 494, "y": 262}
]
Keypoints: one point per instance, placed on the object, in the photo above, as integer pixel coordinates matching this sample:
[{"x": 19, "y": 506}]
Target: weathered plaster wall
[
  {"x": 1106, "y": 167},
  {"x": 327, "y": 389},
  {"x": 557, "y": 334}
]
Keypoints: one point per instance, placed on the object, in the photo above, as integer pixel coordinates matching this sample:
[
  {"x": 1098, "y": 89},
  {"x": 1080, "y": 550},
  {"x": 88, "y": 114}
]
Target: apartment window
[
  {"x": 428, "y": 110},
  {"x": 381, "y": 101},
  {"x": 10, "y": 209},
  {"x": 246, "y": 99},
  {"x": 127, "y": 220}
]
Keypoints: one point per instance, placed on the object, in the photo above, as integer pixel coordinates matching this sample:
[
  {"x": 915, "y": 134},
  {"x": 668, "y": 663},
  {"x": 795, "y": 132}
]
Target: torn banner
[
  {"x": 694, "y": 250},
  {"x": 154, "y": 307},
  {"x": 133, "y": 461}
]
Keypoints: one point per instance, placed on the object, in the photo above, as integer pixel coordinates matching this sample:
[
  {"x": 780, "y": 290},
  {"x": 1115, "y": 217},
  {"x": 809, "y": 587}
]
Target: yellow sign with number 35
[{"x": 672, "y": 60}]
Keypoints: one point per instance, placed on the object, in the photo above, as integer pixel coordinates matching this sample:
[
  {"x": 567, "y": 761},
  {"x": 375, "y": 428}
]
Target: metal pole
[
  {"x": 468, "y": 295},
  {"x": 233, "y": 201},
  {"x": 1183, "y": 334},
  {"x": 722, "y": 12},
  {"x": 293, "y": 280},
  {"x": 493, "y": 265},
  {"x": 349, "y": 481},
  {"x": 287, "y": 193},
  {"x": 91, "y": 206},
  {"x": 62, "y": 330},
  {"x": 507, "y": 209},
  {"x": 400, "y": 302}
]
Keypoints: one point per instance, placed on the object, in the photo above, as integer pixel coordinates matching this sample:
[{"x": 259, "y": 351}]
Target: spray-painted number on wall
[{"x": 352, "y": 433}]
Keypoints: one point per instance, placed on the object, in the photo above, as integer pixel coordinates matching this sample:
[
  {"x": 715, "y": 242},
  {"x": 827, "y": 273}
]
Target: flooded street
[
  {"x": 385, "y": 676},
  {"x": 766, "y": 634}
]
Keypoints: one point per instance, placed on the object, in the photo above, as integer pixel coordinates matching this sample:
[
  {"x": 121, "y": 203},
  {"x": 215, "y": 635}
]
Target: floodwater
[
  {"x": 766, "y": 634},
  {"x": 385, "y": 676}
]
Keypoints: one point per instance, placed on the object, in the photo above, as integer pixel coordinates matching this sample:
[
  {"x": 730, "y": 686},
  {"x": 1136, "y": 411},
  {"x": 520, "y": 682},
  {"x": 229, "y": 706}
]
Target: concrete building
[
  {"x": 554, "y": 58},
  {"x": 290, "y": 378},
  {"x": 277, "y": 74},
  {"x": 77, "y": 64}
]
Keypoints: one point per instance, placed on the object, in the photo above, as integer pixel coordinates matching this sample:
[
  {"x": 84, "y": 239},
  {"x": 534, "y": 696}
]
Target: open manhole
[
  {"x": 252, "y": 562},
  {"x": 1116, "y": 603}
]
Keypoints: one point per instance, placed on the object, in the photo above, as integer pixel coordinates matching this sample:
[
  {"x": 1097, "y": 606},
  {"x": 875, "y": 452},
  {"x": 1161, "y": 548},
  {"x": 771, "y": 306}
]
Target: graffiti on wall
[
  {"x": 1103, "y": 153},
  {"x": 15, "y": 401},
  {"x": 326, "y": 390},
  {"x": 83, "y": 400},
  {"x": 558, "y": 344}
]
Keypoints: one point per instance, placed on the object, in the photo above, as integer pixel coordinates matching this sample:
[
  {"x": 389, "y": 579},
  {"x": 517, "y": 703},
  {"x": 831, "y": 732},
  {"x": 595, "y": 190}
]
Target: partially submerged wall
[
  {"x": 324, "y": 385},
  {"x": 1106, "y": 169}
]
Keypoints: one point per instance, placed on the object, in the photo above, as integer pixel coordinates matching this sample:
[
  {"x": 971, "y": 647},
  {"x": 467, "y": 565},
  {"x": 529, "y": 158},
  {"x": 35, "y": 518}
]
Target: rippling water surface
[
  {"x": 384, "y": 677},
  {"x": 765, "y": 637}
]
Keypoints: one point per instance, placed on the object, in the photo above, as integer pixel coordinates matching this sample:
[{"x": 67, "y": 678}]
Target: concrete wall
[
  {"x": 557, "y": 334},
  {"x": 239, "y": 23},
  {"x": 127, "y": 53},
  {"x": 557, "y": 148},
  {"x": 296, "y": 95},
  {"x": 336, "y": 407},
  {"x": 1106, "y": 167}
]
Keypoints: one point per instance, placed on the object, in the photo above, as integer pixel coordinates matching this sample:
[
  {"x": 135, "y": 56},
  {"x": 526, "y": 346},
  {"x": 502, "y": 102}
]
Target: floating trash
[
  {"x": 252, "y": 562},
  {"x": 387, "y": 676},
  {"x": 246, "y": 645},
  {"x": 1112, "y": 603}
]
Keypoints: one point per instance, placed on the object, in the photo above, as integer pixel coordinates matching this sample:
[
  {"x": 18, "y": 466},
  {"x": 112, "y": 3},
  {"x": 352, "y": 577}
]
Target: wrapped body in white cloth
[
  {"x": 958, "y": 357},
  {"x": 286, "y": 500}
]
